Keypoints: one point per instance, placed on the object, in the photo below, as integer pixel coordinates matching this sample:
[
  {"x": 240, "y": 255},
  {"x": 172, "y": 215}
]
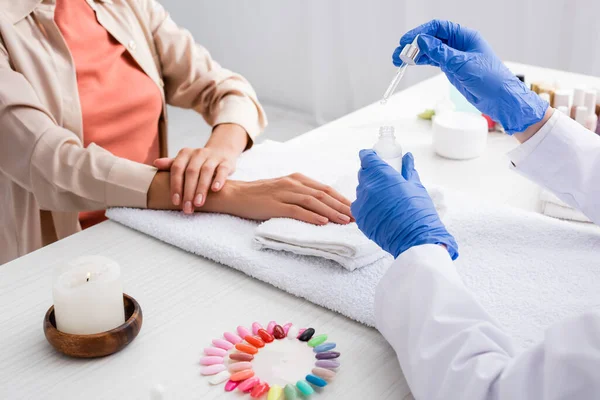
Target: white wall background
[{"x": 325, "y": 58}]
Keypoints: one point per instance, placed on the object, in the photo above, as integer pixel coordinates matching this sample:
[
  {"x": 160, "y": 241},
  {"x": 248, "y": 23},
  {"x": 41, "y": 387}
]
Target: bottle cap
[
  {"x": 581, "y": 114},
  {"x": 410, "y": 52},
  {"x": 590, "y": 101},
  {"x": 563, "y": 109},
  {"x": 578, "y": 97},
  {"x": 387, "y": 130},
  {"x": 562, "y": 98}
]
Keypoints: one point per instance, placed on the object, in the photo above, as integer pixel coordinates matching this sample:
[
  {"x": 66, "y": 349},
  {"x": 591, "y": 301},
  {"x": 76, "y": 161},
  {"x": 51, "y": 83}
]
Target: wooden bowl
[{"x": 98, "y": 344}]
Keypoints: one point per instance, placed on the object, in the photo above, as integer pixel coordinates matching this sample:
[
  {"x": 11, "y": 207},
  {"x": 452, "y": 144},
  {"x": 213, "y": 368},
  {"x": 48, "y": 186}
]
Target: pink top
[{"x": 121, "y": 105}]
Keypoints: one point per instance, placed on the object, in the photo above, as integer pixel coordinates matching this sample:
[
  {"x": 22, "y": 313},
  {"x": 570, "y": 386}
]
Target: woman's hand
[
  {"x": 294, "y": 196},
  {"x": 193, "y": 171}
]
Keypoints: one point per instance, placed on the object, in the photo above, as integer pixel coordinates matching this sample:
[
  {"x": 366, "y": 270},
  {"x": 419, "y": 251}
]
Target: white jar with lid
[{"x": 459, "y": 135}]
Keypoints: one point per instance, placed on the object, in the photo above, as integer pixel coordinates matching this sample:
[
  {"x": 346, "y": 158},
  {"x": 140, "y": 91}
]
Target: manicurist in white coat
[{"x": 448, "y": 346}]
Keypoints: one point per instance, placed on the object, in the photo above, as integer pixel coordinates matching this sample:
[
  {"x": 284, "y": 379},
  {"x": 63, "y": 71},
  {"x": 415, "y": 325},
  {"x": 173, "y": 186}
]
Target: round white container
[{"x": 459, "y": 135}]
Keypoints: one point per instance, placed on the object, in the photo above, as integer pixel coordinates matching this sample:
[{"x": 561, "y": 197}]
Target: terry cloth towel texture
[{"x": 526, "y": 269}]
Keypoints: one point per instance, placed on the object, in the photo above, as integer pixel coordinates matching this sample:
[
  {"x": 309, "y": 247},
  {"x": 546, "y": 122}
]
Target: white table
[{"x": 187, "y": 300}]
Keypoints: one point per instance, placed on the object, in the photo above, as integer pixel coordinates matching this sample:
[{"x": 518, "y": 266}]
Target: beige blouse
[{"x": 46, "y": 175}]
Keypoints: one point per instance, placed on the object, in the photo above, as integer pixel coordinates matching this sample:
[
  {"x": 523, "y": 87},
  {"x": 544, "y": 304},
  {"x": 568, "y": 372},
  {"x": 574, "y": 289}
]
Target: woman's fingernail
[
  {"x": 323, "y": 220},
  {"x": 176, "y": 199},
  {"x": 217, "y": 185},
  {"x": 344, "y": 218},
  {"x": 187, "y": 207},
  {"x": 198, "y": 200}
]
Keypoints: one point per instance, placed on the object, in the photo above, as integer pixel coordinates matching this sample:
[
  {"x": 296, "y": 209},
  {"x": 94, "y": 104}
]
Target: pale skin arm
[
  {"x": 533, "y": 129},
  {"x": 294, "y": 196}
]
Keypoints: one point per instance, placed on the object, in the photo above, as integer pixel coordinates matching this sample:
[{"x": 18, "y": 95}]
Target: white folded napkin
[{"x": 344, "y": 244}]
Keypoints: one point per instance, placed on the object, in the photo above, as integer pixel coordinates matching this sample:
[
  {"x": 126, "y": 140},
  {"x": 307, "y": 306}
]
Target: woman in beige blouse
[{"x": 50, "y": 172}]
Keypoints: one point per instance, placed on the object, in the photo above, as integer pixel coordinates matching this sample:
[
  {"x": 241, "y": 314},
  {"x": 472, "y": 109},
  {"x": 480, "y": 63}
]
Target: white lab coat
[{"x": 449, "y": 347}]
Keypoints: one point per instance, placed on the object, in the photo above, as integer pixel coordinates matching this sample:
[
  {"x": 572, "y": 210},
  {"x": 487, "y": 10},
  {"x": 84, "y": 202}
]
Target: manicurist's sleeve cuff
[{"x": 128, "y": 183}]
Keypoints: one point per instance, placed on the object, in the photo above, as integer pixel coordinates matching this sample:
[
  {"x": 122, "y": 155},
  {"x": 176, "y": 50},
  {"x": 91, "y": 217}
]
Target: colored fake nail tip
[
  {"x": 317, "y": 340},
  {"x": 270, "y": 326},
  {"x": 327, "y": 355},
  {"x": 287, "y": 327},
  {"x": 215, "y": 351},
  {"x": 306, "y": 335},
  {"x": 240, "y": 366},
  {"x": 278, "y": 332},
  {"x": 255, "y": 327},
  {"x": 324, "y": 373},
  {"x": 266, "y": 336},
  {"x": 255, "y": 341},
  {"x": 304, "y": 388},
  {"x": 232, "y": 338},
  {"x": 259, "y": 390},
  {"x": 243, "y": 332},
  {"x": 315, "y": 380},
  {"x": 241, "y": 357},
  {"x": 327, "y": 364},
  {"x": 292, "y": 332},
  {"x": 290, "y": 392},
  {"x": 324, "y": 347},
  {"x": 219, "y": 378},
  {"x": 275, "y": 393},
  {"x": 212, "y": 369},
  {"x": 230, "y": 385},
  {"x": 248, "y": 384},
  {"x": 246, "y": 348},
  {"x": 223, "y": 344},
  {"x": 211, "y": 360},
  {"x": 242, "y": 375}
]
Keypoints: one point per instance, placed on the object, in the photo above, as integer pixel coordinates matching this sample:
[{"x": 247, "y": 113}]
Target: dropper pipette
[
  {"x": 394, "y": 84},
  {"x": 409, "y": 55}
]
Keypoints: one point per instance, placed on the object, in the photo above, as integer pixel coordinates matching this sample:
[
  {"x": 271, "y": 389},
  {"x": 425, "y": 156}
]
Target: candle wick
[{"x": 87, "y": 279}]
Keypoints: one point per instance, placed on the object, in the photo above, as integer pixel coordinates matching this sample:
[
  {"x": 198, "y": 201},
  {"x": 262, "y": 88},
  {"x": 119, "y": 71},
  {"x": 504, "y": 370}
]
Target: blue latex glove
[
  {"x": 394, "y": 210},
  {"x": 472, "y": 67}
]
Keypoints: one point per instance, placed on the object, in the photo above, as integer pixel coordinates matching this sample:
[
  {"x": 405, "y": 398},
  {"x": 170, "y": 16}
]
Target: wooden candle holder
[{"x": 98, "y": 344}]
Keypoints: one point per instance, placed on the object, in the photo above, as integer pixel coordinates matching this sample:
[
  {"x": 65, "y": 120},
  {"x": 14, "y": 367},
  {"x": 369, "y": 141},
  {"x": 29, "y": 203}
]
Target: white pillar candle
[{"x": 88, "y": 296}]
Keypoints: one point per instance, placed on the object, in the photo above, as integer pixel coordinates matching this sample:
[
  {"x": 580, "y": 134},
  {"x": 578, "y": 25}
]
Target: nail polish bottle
[
  {"x": 388, "y": 148},
  {"x": 581, "y": 114},
  {"x": 562, "y": 98},
  {"x": 591, "y": 121},
  {"x": 578, "y": 100}
]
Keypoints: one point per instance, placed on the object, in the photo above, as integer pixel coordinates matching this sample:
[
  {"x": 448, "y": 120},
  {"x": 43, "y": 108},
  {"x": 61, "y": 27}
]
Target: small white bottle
[
  {"x": 388, "y": 148},
  {"x": 581, "y": 114},
  {"x": 591, "y": 121},
  {"x": 578, "y": 100}
]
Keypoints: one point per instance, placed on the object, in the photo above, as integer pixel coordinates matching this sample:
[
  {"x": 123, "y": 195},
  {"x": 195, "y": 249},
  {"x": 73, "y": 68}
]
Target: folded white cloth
[
  {"x": 344, "y": 244},
  {"x": 527, "y": 270},
  {"x": 552, "y": 206}
]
